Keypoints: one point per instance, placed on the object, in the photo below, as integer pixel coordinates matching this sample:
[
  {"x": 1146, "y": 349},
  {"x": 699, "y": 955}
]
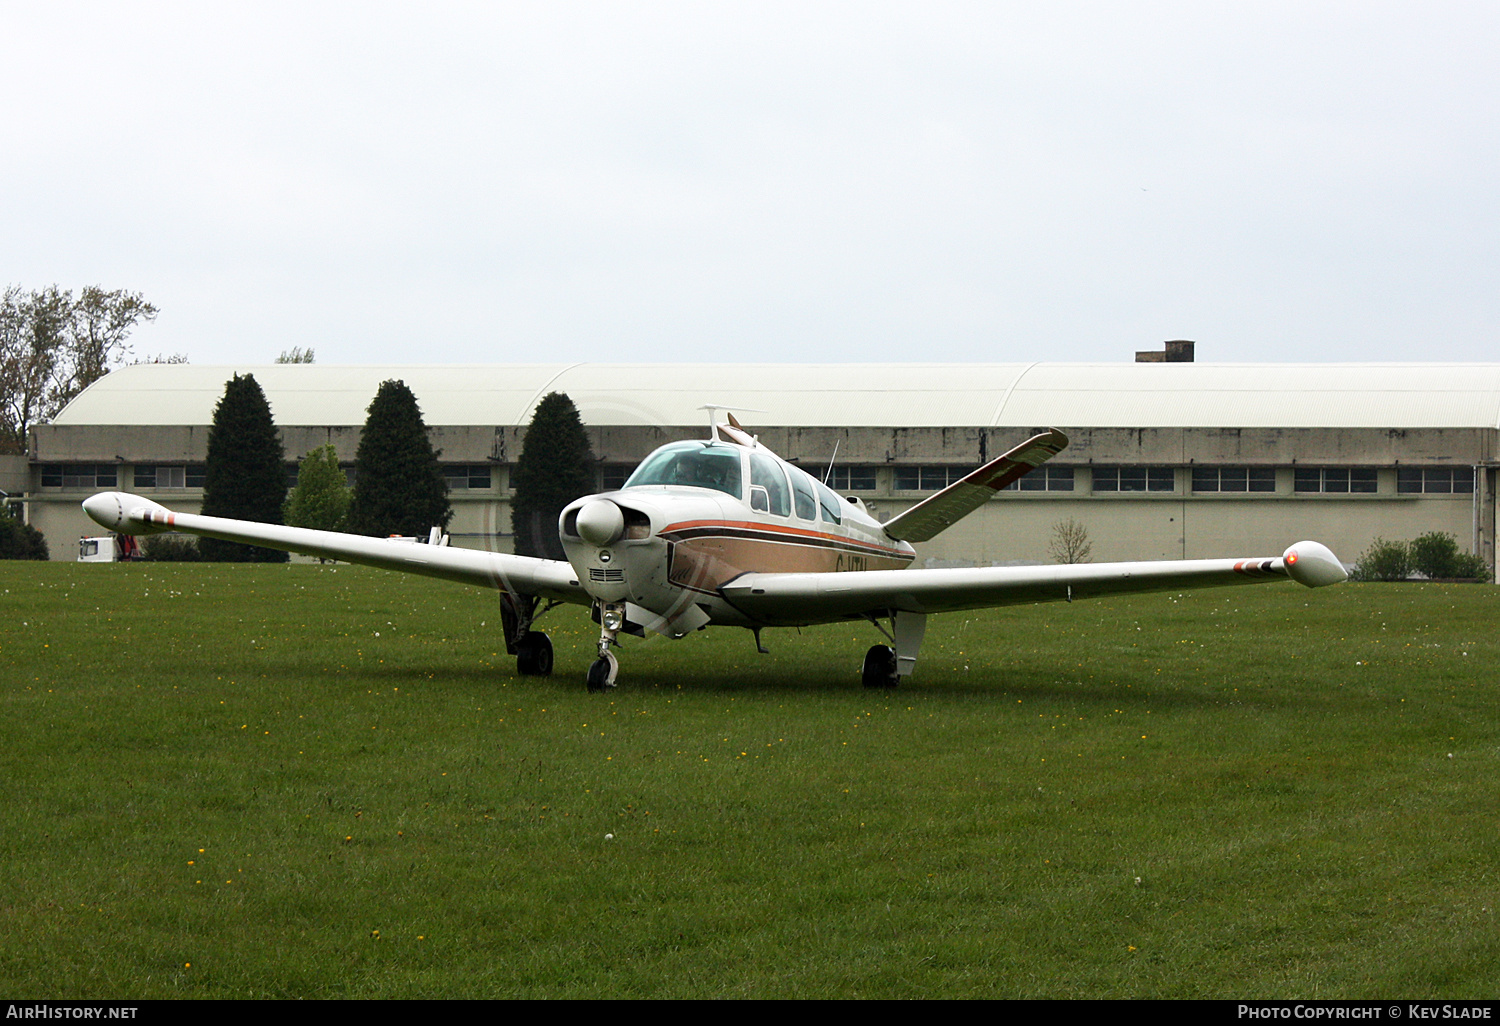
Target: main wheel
[
  {"x": 602, "y": 672},
  {"x": 534, "y": 654},
  {"x": 880, "y": 667}
]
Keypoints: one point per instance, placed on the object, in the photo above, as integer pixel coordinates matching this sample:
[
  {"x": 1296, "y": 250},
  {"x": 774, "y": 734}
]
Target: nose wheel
[{"x": 603, "y": 671}]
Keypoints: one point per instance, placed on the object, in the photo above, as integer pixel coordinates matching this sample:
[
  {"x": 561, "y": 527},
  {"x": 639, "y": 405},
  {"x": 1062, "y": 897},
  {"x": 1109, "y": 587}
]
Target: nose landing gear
[
  {"x": 606, "y": 668},
  {"x": 603, "y": 671}
]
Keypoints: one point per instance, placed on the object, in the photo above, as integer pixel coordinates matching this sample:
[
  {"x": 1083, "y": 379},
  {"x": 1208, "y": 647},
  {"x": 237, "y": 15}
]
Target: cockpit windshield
[{"x": 693, "y": 464}]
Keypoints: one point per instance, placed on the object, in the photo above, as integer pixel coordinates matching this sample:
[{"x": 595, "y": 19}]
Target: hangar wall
[{"x": 1154, "y": 491}]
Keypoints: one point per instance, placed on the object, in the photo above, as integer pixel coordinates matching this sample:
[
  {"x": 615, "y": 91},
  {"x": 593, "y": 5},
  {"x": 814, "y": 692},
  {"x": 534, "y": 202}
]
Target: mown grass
[{"x": 232, "y": 781}]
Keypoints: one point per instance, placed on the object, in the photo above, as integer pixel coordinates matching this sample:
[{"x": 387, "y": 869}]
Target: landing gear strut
[{"x": 606, "y": 668}]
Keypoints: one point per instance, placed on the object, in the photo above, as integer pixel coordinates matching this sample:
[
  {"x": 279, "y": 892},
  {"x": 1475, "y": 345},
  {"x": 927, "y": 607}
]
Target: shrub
[
  {"x": 321, "y": 499},
  {"x": 170, "y": 548},
  {"x": 1435, "y": 554},
  {"x": 1384, "y": 561},
  {"x": 18, "y": 540},
  {"x": 1469, "y": 565}
]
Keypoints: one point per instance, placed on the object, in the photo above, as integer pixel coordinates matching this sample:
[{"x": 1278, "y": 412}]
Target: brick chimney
[{"x": 1173, "y": 351}]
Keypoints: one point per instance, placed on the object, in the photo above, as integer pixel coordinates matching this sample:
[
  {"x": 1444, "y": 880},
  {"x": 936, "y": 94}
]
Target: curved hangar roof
[{"x": 1389, "y": 395}]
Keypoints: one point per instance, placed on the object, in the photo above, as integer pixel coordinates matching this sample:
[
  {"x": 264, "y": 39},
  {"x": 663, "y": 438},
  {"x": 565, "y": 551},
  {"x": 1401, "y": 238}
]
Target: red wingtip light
[{"x": 1291, "y": 559}]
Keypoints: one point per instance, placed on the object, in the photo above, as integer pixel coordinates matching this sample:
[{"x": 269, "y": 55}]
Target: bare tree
[
  {"x": 33, "y": 343},
  {"x": 101, "y": 323},
  {"x": 296, "y": 354},
  {"x": 1070, "y": 542},
  {"x": 52, "y": 347}
]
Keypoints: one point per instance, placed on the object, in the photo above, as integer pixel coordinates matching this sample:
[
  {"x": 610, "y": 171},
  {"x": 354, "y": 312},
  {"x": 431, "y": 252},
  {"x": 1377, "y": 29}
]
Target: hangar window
[
  {"x": 1337, "y": 480},
  {"x": 1134, "y": 479},
  {"x": 79, "y": 475},
  {"x": 852, "y": 479},
  {"x": 1435, "y": 480},
  {"x": 928, "y": 479},
  {"x": 1046, "y": 478},
  {"x": 161, "y": 476},
  {"x": 1234, "y": 479},
  {"x": 614, "y": 475},
  {"x": 464, "y": 476}
]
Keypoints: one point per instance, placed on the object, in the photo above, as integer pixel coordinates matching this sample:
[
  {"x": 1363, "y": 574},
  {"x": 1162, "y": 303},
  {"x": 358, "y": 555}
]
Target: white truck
[{"x": 108, "y": 548}]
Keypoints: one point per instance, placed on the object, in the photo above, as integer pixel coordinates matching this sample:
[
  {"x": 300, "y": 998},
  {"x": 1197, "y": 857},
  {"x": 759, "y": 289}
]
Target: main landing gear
[
  {"x": 532, "y": 649},
  {"x": 885, "y": 665}
]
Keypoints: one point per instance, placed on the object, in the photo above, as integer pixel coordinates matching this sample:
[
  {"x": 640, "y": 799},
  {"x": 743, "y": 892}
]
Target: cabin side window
[
  {"x": 806, "y": 501},
  {"x": 828, "y": 502},
  {"x": 766, "y": 473}
]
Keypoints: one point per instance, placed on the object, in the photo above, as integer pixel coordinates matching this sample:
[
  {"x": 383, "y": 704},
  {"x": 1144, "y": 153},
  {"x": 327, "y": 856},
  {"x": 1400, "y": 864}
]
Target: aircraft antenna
[{"x": 831, "y": 462}]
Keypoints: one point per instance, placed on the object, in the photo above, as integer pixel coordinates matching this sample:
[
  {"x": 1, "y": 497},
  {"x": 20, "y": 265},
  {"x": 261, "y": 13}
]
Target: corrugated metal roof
[{"x": 1385, "y": 395}]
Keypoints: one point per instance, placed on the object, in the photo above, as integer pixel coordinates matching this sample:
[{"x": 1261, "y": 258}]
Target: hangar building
[{"x": 1168, "y": 460}]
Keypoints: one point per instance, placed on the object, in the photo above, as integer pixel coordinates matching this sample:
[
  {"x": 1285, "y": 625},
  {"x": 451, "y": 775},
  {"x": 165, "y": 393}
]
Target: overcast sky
[{"x": 415, "y": 183}]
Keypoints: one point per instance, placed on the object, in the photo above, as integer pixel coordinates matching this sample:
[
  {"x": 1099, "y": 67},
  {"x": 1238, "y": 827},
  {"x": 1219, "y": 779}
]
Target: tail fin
[{"x": 938, "y": 512}]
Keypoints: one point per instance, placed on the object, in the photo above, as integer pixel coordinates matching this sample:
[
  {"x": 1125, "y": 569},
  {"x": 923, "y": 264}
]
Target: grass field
[{"x": 302, "y": 781}]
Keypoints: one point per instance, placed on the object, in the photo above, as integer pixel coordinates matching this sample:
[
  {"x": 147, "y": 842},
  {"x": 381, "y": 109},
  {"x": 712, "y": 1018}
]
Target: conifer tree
[
  {"x": 398, "y": 483},
  {"x": 556, "y": 467},
  {"x": 320, "y": 500},
  {"x": 244, "y": 477}
]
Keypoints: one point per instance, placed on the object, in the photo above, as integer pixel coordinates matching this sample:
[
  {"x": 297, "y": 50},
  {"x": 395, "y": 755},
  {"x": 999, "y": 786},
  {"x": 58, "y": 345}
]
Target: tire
[
  {"x": 602, "y": 673},
  {"x": 880, "y": 667},
  {"x": 534, "y": 655}
]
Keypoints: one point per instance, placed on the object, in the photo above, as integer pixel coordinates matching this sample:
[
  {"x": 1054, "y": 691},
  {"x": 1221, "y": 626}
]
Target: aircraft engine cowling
[{"x": 600, "y": 523}]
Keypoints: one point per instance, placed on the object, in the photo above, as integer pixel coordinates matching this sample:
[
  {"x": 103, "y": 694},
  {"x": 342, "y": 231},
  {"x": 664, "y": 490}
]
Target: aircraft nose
[{"x": 600, "y": 522}]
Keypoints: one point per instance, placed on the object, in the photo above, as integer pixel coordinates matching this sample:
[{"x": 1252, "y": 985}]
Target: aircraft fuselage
[{"x": 675, "y": 544}]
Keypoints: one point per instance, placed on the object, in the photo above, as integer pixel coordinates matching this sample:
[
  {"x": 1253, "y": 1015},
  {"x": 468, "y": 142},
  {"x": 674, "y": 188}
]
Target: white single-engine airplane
[{"x": 724, "y": 531}]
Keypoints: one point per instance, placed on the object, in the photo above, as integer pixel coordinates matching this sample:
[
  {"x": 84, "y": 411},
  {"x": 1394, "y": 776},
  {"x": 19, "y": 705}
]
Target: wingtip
[
  {"x": 119, "y": 512},
  {"x": 1313, "y": 564}
]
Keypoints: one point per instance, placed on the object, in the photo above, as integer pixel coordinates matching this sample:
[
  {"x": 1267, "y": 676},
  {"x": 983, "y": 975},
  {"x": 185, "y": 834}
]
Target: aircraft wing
[
  {"x": 796, "y": 599},
  {"x": 942, "y": 510},
  {"x": 519, "y": 575}
]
